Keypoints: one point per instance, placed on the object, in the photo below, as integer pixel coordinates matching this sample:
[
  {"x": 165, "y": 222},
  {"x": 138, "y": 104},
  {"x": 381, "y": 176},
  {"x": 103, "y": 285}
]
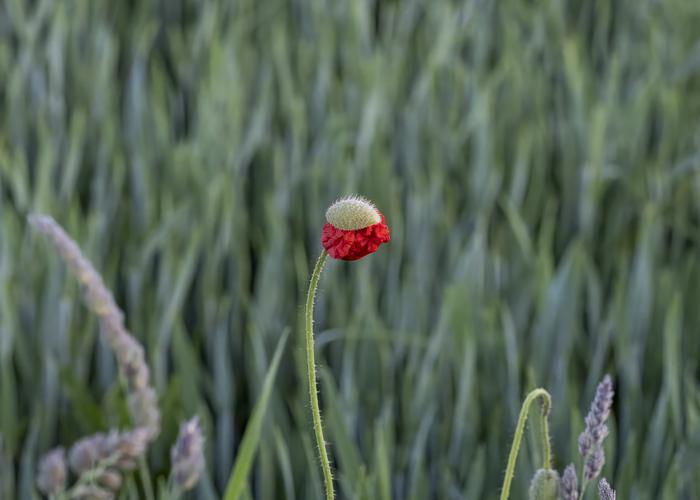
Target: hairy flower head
[
  {"x": 354, "y": 229},
  {"x": 351, "y": 213}
]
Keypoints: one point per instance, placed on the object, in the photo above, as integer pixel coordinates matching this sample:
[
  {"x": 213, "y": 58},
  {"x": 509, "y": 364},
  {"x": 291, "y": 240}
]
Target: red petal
[{"x": 353, "y": 245}]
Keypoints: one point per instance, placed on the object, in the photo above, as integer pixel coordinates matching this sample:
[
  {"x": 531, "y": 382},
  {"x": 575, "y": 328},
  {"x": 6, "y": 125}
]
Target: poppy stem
[
  {"x": 311, "y": 370},
  {"x": 518, "y": 438}
]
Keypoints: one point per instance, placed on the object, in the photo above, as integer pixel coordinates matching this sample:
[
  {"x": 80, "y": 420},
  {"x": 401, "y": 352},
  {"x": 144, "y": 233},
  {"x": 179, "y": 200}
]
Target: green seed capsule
[{"x": 545, "y": 485}]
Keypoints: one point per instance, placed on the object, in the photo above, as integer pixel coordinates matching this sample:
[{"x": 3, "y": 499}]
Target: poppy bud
[{"x": 354, "y": 229}]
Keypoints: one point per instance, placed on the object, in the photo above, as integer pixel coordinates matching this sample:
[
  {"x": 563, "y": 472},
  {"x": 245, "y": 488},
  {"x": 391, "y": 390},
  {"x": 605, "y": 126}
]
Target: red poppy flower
[{"x": 355, "y": 228}]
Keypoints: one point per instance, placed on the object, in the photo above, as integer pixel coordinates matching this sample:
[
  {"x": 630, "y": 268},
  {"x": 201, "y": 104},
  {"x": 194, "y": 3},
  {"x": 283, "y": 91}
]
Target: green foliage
[
  {"x": 537, "y": 163},
  {"x": 251, "y": 437}
]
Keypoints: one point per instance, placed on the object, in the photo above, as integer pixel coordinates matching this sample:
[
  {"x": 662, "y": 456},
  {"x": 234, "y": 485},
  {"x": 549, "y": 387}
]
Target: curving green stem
[
  {"x": 518, "y": 438},
  {"x": 311, "y": 369}
]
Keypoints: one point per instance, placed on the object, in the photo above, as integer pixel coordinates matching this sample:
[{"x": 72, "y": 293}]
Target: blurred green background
[{"x": 537, "y": 163}]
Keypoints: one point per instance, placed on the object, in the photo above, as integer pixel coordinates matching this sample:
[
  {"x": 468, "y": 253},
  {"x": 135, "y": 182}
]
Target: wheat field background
[{"x": 537, "y": 163}]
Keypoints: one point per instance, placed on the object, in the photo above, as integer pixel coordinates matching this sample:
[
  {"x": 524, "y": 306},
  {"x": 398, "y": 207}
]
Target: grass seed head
[
  {"x": 52, "y": 473},
  {"x": 569, "y": 483},
  {"x": 590, "y": 441},
  {"x": 187, "y": 455},
  {"x": 605, "y": 492}
]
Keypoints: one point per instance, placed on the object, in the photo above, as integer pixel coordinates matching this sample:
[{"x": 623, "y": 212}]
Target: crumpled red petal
[{"x": 354, "y": 244}]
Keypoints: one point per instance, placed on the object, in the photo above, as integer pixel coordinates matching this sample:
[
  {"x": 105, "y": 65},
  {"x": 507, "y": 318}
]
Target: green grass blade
[{"x": 251, "y": 438}]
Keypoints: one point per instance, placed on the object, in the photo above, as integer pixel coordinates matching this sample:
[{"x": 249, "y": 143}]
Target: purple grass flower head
[
  {"x": 590, "y": 442},
  {"x": 187, "y": 455},
  {"x": 130, "y": 447},
  {"x": 569, "y": 483},
  {"x": 52, "y": 473},
  {"x": 605, "y": 492},
  {"x": 119, "y": 450},
  {"x": 86, "y": 453},
  {"x": 594, "y": 464},
  {"x": 143, "y": 403},
  {"x": 103, "y": 458}
]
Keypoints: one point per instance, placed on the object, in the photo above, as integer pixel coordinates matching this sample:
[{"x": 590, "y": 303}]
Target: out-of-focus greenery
[{"x": 537, "y": 163}]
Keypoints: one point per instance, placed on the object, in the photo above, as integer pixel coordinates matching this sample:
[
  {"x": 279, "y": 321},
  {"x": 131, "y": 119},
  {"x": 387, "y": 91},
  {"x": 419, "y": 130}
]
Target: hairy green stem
[
  {"x": 518, "y": 438},
  {"x": 311, "y": 370}
]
